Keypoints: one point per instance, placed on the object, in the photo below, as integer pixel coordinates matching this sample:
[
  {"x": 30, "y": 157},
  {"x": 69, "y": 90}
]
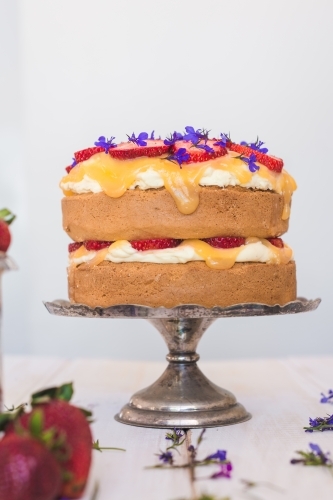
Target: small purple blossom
[
  {"x": 251, "y": 162},
  {"x": 166, "y": 457},
  {"x": 176, "y": 136},
  {"x": 320, "y": 424},
  {"x": 256, "y": 146},
  {"x": 195, "y": 136},
  {"x": 152, "y": 136},
  {"x": 140, "y": 140},
  {"x": 205, "y": 147},
  {"x": 105, "y": 143},
  {"x": 74, "y": 163},
  {"x": 315, "y": 448},
  {"x": 224, "y": 472},
  {"x": 328, "y": 398},
  {"x": 175, "y": 435},
  {"x": 223, "y": 141},
  {"x": 315, "y": 457},
  {"x": 179, "y": 157},
  {"x": 220, "y": 455}
]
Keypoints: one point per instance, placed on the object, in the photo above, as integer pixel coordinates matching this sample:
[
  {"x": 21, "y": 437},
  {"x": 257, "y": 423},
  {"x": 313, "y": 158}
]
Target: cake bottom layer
[{"x": 170, "y": 285}]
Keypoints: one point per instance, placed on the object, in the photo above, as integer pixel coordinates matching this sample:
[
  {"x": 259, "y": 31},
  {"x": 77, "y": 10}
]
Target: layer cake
[{"x": 185, "y": 220}]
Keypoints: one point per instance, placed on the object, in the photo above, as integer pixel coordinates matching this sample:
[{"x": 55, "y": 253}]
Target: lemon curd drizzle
[
  {"x": 116, "y": 176},
  {"x": 215, "y": 258}
]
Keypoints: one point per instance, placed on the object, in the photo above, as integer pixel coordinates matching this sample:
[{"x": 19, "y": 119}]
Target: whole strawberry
[
  {"x": 28, "y": 470},
  {"x": 71, "y": 425},
  {"x": 6, "y": 218}
]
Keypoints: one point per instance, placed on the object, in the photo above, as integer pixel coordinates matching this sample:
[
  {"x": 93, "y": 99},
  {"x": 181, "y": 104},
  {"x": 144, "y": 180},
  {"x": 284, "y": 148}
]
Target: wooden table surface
[{"x": 281, "y": 395}]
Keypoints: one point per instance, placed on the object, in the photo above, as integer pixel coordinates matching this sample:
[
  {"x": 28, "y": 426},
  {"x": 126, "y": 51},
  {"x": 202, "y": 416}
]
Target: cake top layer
[{"x": 180, "y": 163}]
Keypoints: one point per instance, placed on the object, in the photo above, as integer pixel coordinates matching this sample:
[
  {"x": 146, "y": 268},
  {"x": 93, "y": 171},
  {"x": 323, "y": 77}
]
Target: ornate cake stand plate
[{"x": 182, "y": 397}]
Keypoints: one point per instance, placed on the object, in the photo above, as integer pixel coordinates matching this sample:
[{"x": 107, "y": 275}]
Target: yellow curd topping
[
  {"x": 116, "y": 176},
  {"x": 215, "y": 258}
]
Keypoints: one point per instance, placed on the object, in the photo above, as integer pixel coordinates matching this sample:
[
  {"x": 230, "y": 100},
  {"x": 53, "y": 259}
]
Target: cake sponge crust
[
  {"x": 170, "y": 285},
  {"x": 152, "y": 213}
]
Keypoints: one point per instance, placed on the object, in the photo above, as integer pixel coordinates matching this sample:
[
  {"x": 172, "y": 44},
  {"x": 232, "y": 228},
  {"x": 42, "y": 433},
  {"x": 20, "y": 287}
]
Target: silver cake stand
[{"x": 182, "y": 397}]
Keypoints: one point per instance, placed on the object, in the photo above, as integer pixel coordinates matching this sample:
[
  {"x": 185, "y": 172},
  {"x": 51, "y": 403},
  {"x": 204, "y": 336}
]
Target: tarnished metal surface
[
  {"x": 182, "y": 396},
  {"x": 65, "y": 308}
]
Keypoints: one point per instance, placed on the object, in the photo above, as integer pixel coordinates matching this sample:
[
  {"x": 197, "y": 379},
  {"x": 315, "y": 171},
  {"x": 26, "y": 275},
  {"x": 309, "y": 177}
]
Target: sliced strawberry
[
  {"x": 72, "y": 247},
  {"x": 128, "y": 150},
  {"x": 271, "y": 162},
  {"x": 195, "y": 153},
  {"x": 96, "y": 245},
  {"x": 225, "y": 242},
  {"x": 157, "y": 244},
  {"x": 85, "y": 154},
  {"x": 69, "y": 168},
  {"x": 277, "y": 242}
]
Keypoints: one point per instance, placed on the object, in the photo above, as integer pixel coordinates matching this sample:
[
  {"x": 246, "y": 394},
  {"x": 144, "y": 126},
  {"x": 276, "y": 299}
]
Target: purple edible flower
[
  {"x": 315, "y": 457},
  {"x": 166, "y": 457},
  {"x": 220, "y": 455},
  {"x": 179, "y": 157},
  {"x": 256, "y": 146},
  {"x": 223, "y": 141},
  {"x": 251, "y": 162},
  {"x": 152, "y": 135},
  {"x": 315, "y": 448},
  {"x": 195, "y": 136},
  {"x": 207, "y": 148},
  {"x": 225, "y": 470},
  {"x": 176, "y": 136},
  {"x": 176, "y": 435},
  {"x": 327, "y": 399},
  {"x": 105, "y": 143},
  {"x": 140, "y": 140},
  {"x": 320, "y": 424}
]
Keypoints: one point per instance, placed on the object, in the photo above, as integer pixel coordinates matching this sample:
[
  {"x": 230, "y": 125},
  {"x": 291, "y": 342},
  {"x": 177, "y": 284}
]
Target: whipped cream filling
[
  {"x": 87, "y": 185},
  {"x": 150, "y": 179},
  {"x": 122, "y": 251}
]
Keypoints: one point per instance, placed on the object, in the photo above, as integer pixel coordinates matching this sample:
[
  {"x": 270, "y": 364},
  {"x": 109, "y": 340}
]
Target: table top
[{"x": 281, "y": 394}]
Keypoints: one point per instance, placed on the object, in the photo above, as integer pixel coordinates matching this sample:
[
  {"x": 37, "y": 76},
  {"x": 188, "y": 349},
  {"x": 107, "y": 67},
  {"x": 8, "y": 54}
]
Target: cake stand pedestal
[{"x": 182, "y": 397}]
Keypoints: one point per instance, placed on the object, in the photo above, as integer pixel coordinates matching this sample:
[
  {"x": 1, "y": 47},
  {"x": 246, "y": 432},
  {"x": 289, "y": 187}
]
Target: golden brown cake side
[
  {"x": 170, "y": 285},
  {"x": 152, "y": 213}
]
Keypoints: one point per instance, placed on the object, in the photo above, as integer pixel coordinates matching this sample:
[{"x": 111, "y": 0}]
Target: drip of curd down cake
[{"x": 102, "y": 173}]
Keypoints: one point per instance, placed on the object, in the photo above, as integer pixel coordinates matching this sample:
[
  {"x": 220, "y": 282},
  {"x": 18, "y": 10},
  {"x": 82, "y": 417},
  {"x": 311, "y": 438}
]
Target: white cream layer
[
  {"x": 150, "y": 179},
  {"x": 122, "y": 251}
]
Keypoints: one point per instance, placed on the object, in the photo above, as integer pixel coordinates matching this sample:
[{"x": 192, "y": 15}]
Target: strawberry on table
[
  {"x": 6, "y": 218},
  {"x": 70, "y": 422},
  {"x": 28, "y": 470}
]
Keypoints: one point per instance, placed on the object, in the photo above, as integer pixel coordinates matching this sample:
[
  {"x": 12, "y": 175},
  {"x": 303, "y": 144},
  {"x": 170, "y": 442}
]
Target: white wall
[{"x": 75, "y": 69}]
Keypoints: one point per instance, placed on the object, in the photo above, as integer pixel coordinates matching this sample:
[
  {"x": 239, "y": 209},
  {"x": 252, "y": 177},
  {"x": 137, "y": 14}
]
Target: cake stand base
[{"x": 182, "y": 397}]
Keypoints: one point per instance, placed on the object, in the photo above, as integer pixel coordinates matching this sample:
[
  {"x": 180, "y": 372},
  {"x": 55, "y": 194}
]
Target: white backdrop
[{"x": 72, "y": 70}]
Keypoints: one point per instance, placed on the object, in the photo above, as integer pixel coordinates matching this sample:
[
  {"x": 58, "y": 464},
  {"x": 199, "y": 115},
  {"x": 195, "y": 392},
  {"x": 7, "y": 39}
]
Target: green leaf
[
  {"x": 87, "y": 413},
  {"x": 36, "y": 423},
  {"x": 7, "y": 215},
  {"x": 64, "y": 392},
  {"x": 11, "y": 415},
  {"x": 96, "y": 446}
]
